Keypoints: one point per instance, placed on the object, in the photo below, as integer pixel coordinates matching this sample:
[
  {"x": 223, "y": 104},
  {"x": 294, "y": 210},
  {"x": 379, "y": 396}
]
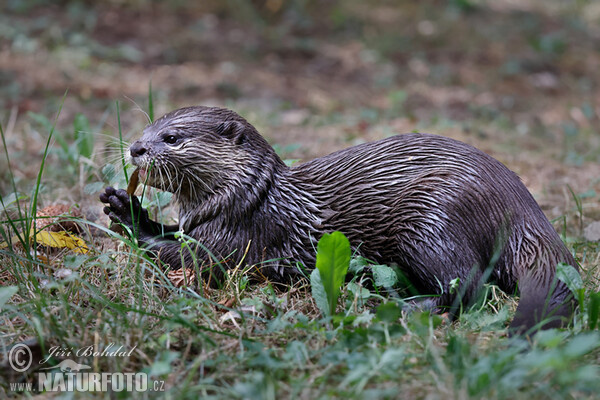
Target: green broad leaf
[
  {"x": 341, "y": 319},
  {"x": 6, "y": 293},
  {"x": 358, "y": 291},
  {"x": 570, "y": 277},
  {"x": 291, "y": 161},
  {"x": 593, "y": 310},
  {"x": 72, "y": 154},
  {"x": 109, "y": 172},
  {"x": 333, "y": 260},
  {"x": 364, "y": 318},
  {"x": 357, "y": 264},
  {"x": 163, "y": 364},
  {"x": 583, "y": 344},
  {"x": 297, "y": 352},
  {"x": 93, "y": 187},
  {"x": 393, "y": 358},
  {"x": 318, "y": 292},
  {"x": 454, "y": 285},
  {"x": 163, "y": 199},
  {"x": 388, "y": 312},
  {"x": 384, "y": 276},
  {"x": 550, "y": 339},
  {"x": 484, "y": 321}
]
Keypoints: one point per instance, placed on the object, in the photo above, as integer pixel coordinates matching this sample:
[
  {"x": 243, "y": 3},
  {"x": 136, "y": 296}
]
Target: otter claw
[
  {"x": 122, "y": 195},
  {"x": 127, "y": 210},
  {"x": 109, "y": 191},
  {"x": 114, "y": 218},
  {"x": 116, "y": 204}
]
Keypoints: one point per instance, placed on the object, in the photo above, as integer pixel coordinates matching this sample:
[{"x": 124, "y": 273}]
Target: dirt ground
[{"x": 519, "y": 79}]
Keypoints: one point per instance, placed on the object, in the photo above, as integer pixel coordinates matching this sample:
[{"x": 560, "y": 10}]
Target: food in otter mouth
[
  {"x": 134, "y": 180},
  {"x": 436, "y": 207}
]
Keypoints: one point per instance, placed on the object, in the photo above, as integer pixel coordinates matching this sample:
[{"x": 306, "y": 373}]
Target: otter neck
[
  {"x": 239, "y": 193},
  {"x": 267, "y": 207}
]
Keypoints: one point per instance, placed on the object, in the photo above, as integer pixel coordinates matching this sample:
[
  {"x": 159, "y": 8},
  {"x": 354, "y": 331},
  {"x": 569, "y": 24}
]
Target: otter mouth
[
  {"x": 152, "y": 175},
  {"x": 149, "y": 177},
  {"x": 146, "y": 175},
  {"x": 143, "y": 174}
]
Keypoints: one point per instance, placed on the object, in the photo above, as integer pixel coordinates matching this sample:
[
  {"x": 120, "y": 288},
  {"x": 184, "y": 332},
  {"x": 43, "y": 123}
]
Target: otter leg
[
  {"x": 430, "y": 304},
  {"x": 453, "y": 277},
  {"x": 434, "y": 278}
]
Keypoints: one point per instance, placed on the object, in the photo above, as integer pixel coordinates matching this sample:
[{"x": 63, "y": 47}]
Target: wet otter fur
[{"x": 438, "y": 208}]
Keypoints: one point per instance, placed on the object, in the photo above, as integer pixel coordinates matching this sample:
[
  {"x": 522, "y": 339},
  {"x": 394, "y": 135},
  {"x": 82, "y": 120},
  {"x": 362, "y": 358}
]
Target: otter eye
[{"x": 170, "y": 139}]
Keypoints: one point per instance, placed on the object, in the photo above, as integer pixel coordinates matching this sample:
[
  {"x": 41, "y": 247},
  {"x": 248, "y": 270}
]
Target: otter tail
[
  {"x": 542, "y": 307},
  {"x": 545, "y": 302}
]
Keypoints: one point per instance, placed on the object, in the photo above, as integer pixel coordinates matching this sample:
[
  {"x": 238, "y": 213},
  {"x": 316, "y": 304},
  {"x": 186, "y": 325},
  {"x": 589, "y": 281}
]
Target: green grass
[{"x": 275, "y": 343}]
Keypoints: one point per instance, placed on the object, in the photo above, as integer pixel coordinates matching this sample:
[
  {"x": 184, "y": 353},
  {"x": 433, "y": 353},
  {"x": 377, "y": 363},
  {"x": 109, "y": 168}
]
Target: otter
[{"x": 436, "y": 207}]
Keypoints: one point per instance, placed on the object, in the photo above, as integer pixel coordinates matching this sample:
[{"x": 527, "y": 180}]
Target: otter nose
[{"x": 137, "y": 149}]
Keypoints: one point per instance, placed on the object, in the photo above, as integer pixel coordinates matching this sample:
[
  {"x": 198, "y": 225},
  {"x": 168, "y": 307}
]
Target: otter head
[{"x": 196, "y": 152}]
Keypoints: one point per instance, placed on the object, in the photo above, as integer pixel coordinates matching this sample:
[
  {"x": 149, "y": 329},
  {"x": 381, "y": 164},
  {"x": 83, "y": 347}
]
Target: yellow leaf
[
  {"x": 62, "y": 239},
  {"x": 14, "y": 239}
]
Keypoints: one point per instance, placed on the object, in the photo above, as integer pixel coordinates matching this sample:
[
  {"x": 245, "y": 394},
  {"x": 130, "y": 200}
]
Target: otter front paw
[{"x": 126, "y": 210}]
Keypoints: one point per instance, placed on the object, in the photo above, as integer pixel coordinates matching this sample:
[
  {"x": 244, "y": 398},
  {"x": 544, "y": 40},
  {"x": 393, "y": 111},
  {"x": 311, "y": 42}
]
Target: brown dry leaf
[
  {"x": 182, "y": 277},
  {"x": 227, "y": 302},
  {"x": 133, "y": 182},
  {"x": 48, "y": 218},
  {"x": 43, "y": 259},
  {"x": 445, "y": 318}
]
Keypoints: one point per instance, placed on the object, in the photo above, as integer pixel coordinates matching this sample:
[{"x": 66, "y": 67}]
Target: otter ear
[{"x": 232, "y": 130}]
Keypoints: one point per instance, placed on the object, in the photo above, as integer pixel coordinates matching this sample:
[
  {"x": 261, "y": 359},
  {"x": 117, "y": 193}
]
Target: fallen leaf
[
  {"x": 52, "y": 218},
  {"x": 63, "y": 273},
  {"x": 53, "y": 230},
  {"x": 133, "y": 182},
  {"x": 227, "y": 302},
  {"x": 61, "y": 239},
  {"x": 182, "y": 277}
]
